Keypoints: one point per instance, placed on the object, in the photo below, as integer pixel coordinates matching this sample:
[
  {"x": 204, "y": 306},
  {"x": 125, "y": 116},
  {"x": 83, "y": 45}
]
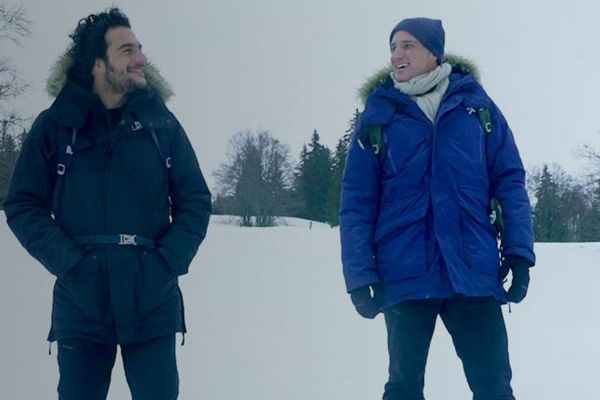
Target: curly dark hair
[{"x": 89, "y": 43}]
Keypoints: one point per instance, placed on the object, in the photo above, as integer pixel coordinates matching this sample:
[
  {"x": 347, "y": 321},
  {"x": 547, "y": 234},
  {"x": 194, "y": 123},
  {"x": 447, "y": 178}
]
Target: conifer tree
[
  {"x": 312, "y": 180},
  {"x": 592, "y": 221},
  {"x": 337, "y": 172},
  {"x": 9, "y": 151},
  {"x": 546, "y": 218}
]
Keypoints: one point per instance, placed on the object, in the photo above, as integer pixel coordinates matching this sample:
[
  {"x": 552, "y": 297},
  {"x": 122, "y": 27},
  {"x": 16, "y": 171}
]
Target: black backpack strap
[
  {"x": 122, "y": 239},
  {"x": 163, "y": 148},
  {"x": 160, "y": 141},
  {"x": 66, "y": 144}
]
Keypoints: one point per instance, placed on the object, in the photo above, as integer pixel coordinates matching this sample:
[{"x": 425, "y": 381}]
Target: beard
[{"x": 120, "y": 82}]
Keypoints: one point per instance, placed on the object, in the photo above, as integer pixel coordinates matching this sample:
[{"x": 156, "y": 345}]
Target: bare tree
[
  {"x": 11, "y": 84},
  {"x": 253, "y": 183},
  {"x": 591, "y": 153},
  {"x": 14, "y": 27}
]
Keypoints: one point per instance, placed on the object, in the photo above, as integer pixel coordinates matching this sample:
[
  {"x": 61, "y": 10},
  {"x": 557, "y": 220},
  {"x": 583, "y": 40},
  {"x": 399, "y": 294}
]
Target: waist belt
[{"x": 120, "y": 240}]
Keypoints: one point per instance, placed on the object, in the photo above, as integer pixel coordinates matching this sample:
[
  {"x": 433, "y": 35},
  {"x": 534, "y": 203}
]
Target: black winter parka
[{"x": 116, "y": 183}]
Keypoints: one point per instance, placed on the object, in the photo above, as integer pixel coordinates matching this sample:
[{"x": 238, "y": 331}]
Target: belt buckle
[{"x": 127, "y": 240}]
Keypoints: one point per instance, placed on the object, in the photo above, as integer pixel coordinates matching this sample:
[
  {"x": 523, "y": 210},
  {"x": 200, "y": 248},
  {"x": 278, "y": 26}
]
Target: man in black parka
[{"x": 108, "y": 195}]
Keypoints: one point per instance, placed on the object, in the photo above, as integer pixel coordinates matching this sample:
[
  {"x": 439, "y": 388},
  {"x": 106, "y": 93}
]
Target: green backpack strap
[
  {"x": 496, "y": 215},
  {"x": 372, "y": 134},
  {"x": 485, "y": 119},
  {"x": 496, "y": 218}
]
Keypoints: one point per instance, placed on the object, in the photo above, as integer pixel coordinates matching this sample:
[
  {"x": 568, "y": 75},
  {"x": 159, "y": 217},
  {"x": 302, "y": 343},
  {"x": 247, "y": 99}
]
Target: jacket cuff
[
  {"x": 524, "y": 253},
  {"x": 514, "y": 260},
  {"x": 362, "y": 281}
]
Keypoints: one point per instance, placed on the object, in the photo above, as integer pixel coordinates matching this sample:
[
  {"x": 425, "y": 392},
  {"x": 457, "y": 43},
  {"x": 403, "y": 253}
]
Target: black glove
[
  {"x": 364, "y": 302},
  {"x": 520, "y": 277}
]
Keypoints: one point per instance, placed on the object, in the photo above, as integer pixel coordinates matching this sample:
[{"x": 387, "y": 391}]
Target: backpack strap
[
  {"x": 485, "y": 119},
  {"x": 159, "y": 141},
  {"x": 122, "y": 239},
  {"x": 66, "y": 143},
  {"x": 163, "y": 148},
  {"x": 371, "y": 134},
  {"x": 496, "y": 218}
]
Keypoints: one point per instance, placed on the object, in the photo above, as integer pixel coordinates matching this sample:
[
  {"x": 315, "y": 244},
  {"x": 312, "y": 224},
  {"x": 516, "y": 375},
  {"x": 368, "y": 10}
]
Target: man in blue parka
[
  {"x": 430, "y": 152},
  {"x": 108, "y": 195}
]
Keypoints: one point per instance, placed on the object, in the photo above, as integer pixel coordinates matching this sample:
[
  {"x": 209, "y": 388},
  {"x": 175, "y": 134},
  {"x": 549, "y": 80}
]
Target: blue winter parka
[{"x": 415, "y": 218}]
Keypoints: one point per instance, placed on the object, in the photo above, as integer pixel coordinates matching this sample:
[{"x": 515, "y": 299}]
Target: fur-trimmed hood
[
  {"x": 459, "y": 64},
  {"x": 58, "y": 78}
]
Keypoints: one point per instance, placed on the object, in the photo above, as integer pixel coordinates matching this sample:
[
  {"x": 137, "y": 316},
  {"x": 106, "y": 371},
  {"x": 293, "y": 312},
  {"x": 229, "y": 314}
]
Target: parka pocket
[
  {"x": 156, "y": 284},
  {"x": 401, "y": 242},
  {"x": 84, "y": 288},
  {"x": 479, "y": 240}
]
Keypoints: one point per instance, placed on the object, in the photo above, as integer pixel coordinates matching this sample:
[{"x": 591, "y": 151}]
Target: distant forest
[{"x": 260, "y": 181}]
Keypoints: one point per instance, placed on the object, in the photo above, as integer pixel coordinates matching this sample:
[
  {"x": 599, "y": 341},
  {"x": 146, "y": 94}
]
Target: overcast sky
[{"x": 294, "y": 66}]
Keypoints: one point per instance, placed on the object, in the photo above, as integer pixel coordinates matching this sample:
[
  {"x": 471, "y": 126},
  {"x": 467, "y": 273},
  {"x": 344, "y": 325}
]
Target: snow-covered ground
[{"x": 268, "y": 319}]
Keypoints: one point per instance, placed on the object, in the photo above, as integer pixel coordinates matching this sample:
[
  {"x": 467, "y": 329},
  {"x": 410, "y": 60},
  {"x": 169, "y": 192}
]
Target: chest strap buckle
[{"x": 127, "y": 240}]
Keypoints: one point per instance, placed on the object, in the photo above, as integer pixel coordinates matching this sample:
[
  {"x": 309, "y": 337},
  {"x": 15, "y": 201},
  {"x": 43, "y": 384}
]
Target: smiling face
[
  {"x": 121, "y": 71},
  {"x": 409, "y": 57}
]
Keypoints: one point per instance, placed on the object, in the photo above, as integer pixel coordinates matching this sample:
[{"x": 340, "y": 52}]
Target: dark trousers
[
  {"x": 85, "y": 369},
  {"x": 477, "y": 328}
]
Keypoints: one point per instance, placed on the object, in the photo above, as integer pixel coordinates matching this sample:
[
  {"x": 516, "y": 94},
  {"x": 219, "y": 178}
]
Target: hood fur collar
[
  {"x": 58, "y": 78},
  {"x": 459, "y": 64}
]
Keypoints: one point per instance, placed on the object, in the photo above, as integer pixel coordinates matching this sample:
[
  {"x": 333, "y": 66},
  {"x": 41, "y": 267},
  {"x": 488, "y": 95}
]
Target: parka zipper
[{"x": 103, "y": 261}]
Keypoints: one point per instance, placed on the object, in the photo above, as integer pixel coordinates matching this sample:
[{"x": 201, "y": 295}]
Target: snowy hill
[{"x": 268, "y": 319}]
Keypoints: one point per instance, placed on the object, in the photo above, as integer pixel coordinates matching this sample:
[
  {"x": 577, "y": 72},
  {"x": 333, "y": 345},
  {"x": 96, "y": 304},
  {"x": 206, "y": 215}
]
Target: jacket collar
[
  {"x": 385, "y": 98},
  {"x": 74, "y": 105},
  {"x": 460, "y": 65}
]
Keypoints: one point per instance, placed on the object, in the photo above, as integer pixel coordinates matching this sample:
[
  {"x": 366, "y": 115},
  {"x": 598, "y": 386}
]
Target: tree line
[
  {"x": 259, "y": 181},
  {"x": 565, "y": 208}
]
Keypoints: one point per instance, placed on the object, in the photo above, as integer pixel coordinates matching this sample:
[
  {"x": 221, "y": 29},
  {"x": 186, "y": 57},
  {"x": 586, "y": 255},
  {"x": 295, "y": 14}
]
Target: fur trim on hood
[
  {"x": 459, "y": 64},
  {"x": 58, "y": 78}
]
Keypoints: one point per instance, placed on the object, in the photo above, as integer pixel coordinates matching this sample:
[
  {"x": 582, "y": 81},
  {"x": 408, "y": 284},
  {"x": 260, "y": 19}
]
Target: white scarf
[{"x": 420, "y": 88}]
